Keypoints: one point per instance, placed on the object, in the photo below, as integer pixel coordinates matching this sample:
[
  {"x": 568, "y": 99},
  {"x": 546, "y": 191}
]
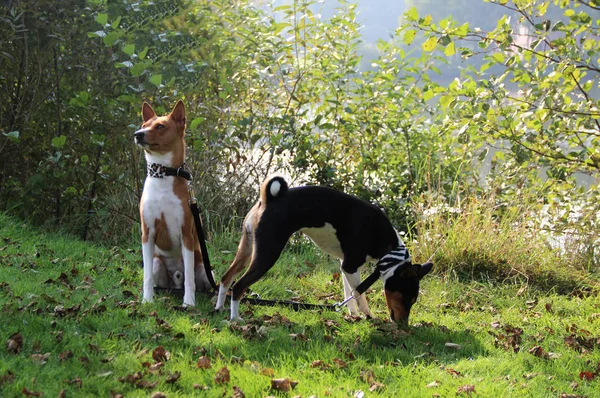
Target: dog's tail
[{"x": 273, "y": 187}]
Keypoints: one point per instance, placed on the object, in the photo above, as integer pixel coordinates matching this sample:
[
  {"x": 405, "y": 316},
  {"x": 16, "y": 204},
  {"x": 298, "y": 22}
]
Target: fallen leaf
[
  {"x": 538, "y": 352},
  {"x": 433, "y": 384},
  {"x": 131, "y": 378},
  {"x": 589, "y": 376},
  {"x": 340, "y": 363},
  {"x": 268, "y": 372},
  {"x": 376, "y": 386},
  {"x": 29, "y": 393},
  {"x": 467, "y": 389},
  {"x": 173, "y": 377},
  {"x": 359, "y": 394},
  {"x": 238, "y": 393},
  {"x": 548, "y": 307},
  {"x": 453, "y": 372},
  {"x": 77, "y": 381},
  {"x": 41, "y": 358},
  {"x": 222, "y": 376},
  {"x": 7, "y": 377},
  {"x": 158, "y": 394},
  {"x": 204, "y": 362},
  {"x": 367, "y": 376},
  {"x": 283, "y": 384},
  {"x": 65, "y": 355},
  {"x": 146, "y": 384},
  {"x": 160, "y": 354},
  {"x": 320, "y": 364},
  {"x": 14, "y": 343}
]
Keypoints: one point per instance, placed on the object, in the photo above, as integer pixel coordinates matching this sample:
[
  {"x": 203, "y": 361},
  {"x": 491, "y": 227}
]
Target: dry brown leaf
[
  {"x": 589, "y": 376},
  {"x": 160, "y": 354},
  {"x": 204, "y": 362},
  {"x": 15, "y": 343},
  {"x": 283, "y": 384},
  {"x": 320, "y": 364},
  {"x": 367, "y": 376},
  {"x": 77, "y": 381},
  {"x": 158, "y": 394},
  {"x": 453, "y": 372},
  {"x": 29, "y": 393},
  {"x": 377, "y": 386},
  {"x": 7, "y": 377},
  {"x": 466, "y": 389},
  {"x": 65, "y": 355},
  {"x": 146, "y": 384},
  {"x": 173, "y": 377},
  {"x": 238, "y": 393},
  {"x": 268, "y": 372},
  {"x": 41, "y": 358},
  {"x": 222, "y": 376},
  {"x": 340, "y": 363}
]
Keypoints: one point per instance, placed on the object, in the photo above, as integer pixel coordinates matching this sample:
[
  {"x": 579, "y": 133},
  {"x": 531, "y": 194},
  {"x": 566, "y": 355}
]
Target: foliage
[
  {"x": 73, "y": 324},
  {"x": 531, "y": 107}
]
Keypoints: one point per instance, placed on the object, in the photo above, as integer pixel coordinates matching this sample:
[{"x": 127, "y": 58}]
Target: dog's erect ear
[
  {"x": 178, "y": 112},
  {"x": 147, "y": 112},
  {"x": 424, "y": 270}
]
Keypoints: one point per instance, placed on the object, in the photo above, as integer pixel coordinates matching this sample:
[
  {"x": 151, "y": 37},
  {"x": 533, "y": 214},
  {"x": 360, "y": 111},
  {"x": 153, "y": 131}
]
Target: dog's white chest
[
  {"x": 161, "y": 205},
  {"x": 326, "y": 238}
]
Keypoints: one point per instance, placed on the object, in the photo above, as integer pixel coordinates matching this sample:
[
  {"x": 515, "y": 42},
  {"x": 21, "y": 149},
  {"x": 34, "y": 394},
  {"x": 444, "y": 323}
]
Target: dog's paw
[
  {"x": 187, "y": 303},
  {"x": 237, "y": 319}
]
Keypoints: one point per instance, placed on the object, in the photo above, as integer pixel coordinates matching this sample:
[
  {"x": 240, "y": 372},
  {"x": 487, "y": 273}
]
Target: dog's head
[
  {"x": 161, "y": 134},
  {"x": 402, "y": 289}
]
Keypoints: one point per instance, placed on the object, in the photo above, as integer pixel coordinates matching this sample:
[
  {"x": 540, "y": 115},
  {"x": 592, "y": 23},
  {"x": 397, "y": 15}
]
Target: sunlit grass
[{"x": 99, "y": 348}]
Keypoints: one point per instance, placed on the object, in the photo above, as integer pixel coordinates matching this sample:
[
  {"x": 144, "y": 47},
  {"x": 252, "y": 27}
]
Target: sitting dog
[
  {"x": 342, "y": 225},
  {"x": 170, "y": 247}
]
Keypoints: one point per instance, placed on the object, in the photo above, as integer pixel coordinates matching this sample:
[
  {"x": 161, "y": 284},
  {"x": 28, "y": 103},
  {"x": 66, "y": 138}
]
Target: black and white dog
[{"x": 342, "y": 225}]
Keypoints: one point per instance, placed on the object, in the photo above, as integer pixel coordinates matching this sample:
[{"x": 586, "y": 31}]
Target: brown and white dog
[
  {"x": 342, "y": 225},
  {"x": 170, "y": 247}
]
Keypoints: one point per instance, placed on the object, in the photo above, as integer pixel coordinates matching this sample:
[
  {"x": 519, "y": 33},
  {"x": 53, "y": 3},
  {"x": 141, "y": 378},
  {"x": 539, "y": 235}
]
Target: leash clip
[{"x": 354, "y": 296}]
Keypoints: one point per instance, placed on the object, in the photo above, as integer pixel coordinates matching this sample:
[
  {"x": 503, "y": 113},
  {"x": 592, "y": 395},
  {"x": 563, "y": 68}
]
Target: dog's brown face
[
  {"x": 161, "y": 134},
  {"x": 402, "y": 289}
]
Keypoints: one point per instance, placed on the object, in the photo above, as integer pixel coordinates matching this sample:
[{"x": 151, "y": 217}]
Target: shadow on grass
[{"x": 308, "y": 336}]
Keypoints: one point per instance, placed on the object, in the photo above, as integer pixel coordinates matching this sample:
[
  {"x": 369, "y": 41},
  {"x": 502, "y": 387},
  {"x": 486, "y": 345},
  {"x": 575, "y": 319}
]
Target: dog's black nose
[{"x": 139, "y": 136}]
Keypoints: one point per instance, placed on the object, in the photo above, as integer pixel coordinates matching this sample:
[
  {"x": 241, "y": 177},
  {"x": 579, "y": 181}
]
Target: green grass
[{"x": 81, "y": 304}]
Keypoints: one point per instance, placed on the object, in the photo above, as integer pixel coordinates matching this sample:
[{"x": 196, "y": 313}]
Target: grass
[{"x": 85, "y": 333}]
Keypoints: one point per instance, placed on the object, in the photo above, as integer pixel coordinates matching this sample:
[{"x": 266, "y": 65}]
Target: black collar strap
[{"x": 157, "y": 170}]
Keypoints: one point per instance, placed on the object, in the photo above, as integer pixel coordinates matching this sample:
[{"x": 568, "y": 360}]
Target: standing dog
[
  {"x": 170, "y": 245},
  {"x": 341, "y": 225}
]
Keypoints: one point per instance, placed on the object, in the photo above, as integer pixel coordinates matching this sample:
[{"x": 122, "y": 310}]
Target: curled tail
[{"x": 273, "y": 187}]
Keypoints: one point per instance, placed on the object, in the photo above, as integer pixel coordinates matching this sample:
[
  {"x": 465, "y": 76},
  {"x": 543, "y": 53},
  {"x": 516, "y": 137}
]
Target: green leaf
[
  {"x": 111, "y": 38},
  {"x": 196, "y": 122},
  {"x": 450, "y": 50},
  {"x": 137, "y": 69},
  {"x": 116, "y": 22},
  {"x": 462, "y": 30},
  {"x": 430, "y": 44},
  {"x": 129, "y": 49},
  {"x": 102, "y": 19},
  {"x": 156, "y": 80},
  {"x": 409, "y": 36},
  {"x": 498, "y": 57},
  {"x": 59, "y": 142},
  {"x": 412, "y": 14},
  {"x": 13, "y": 135},
  {"x": 143, "y": 53}
]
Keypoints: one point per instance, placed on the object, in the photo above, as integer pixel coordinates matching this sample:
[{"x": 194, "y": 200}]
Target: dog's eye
[{"x": 159, "y": 126}]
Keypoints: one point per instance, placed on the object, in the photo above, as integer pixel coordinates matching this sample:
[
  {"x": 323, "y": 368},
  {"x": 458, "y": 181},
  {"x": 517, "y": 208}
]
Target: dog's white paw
[
  {"x": 189, "y": 303},
  {"x": 237, "y": 319}
]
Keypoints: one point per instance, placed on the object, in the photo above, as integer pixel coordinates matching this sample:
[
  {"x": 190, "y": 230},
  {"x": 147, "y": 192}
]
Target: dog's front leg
[
  {"x": 351, "y": 282},
  {"x": 189, "y": 279},
  {"x": 148, "y": 257}
]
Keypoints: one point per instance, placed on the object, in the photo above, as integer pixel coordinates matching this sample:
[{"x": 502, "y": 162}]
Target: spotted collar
[{"x": 157, "y": 170}]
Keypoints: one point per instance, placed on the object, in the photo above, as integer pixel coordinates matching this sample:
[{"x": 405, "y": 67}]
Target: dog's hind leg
[
  {"x": 263, "y": 259},
  {"x": 242, "y": 258}
]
